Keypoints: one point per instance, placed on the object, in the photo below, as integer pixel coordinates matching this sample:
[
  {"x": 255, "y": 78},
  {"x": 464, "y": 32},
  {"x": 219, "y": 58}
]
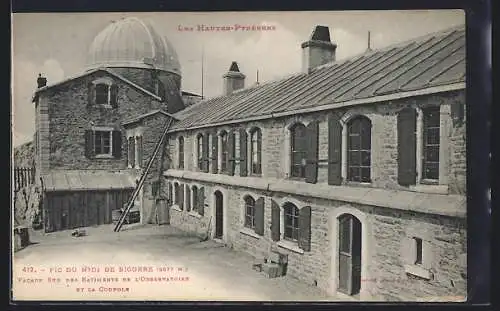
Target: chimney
[
  {"x": 41, "y": 81},
  {"x": 233, "y": 79},
  {"x": 318, "y": 50}
]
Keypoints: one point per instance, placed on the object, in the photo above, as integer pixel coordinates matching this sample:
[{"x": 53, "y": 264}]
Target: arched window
[
  {"x": 224, "y": 152},
  {"x": 249, "y": 212},
  {"x": 176, "y": 193},
  {"x": 291, "y": 222},
  {"x": 255, "y": 151},
  {"x": 199, "y": 149},
  {"x": 298, "y": 149},
  {"x": 359, "y": 149},
  {"x": 181, "y": 152}
]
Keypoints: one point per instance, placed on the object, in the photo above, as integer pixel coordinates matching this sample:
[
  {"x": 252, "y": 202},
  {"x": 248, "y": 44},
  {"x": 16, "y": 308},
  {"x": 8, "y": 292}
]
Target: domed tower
[{"x": 135, "y": 50}]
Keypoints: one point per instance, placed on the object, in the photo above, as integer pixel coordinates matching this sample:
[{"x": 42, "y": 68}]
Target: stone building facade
[
  {"x": 354, "y": 169},
  {"x": 405, "y": 216}
]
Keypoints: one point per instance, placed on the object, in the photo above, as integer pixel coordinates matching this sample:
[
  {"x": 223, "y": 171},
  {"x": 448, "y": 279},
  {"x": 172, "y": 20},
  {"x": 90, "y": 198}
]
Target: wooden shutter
[
  {"x": 91, "y": 94},
  {"x": 139, "y": 150},
  {"x": 409, "y": 250},
  {"x": 230, "y": 149},
  {"x": 259, "y": 152},
  {"x": 204, "y": 151},
  {"x": 215, "y": 153},
  {"x": 243, "y": 153},
  {"x": 312, "y": 152},
  {"x": 114, "y": 95},
  {"x": 117, "y": 144},
  {"x": 181, "y": 196},
  {"x": 131, "y": 151},
  {"x": 407, "y": 144},
  {"x": 334, "y": 150},
  {"x": 275, "y": 221},
  {"x": 188, "y": 198},
  {"x": 169, "y": 193},
  {"x": 457, "y": 112},
  {"x": 259, "y": 216},
  {"x": 305, "y": 228},
  {"x": 201, "y": 201},
  {"x": 89, "y": 144}
]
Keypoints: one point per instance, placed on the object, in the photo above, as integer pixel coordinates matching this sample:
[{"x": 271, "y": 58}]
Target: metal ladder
[{"x": 143, "y": 178}]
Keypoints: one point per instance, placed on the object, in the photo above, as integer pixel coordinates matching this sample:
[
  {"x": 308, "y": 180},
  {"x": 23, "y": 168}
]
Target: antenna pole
[
  {"x": 369, "y": 43},
  {"x": 202, "y": 69},
  {"x": 257, "y": 76}
]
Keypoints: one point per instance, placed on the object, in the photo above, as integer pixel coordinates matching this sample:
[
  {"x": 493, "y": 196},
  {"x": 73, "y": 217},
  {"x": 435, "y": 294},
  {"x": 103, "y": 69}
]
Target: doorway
[
  {"x": 219, "y": 215},
  {"x": 349, "y": 259}
]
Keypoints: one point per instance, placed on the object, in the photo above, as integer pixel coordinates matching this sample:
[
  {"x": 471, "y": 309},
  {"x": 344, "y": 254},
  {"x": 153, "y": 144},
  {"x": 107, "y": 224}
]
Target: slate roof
[
  {"x": 86, "y": 73},
  {"x": 87, "y": 180},
  {"x": 433, "y": 60}
]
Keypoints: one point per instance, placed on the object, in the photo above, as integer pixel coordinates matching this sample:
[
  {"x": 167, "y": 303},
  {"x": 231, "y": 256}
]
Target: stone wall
[
  {"x": 69, "y": 117},
  {"x": 387, "y": 231},
  {"x": 384, "y": 152}
]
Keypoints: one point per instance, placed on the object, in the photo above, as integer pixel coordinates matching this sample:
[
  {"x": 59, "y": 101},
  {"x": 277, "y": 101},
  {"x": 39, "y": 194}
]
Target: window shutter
[
  {"x": 139, "y": 150},
  {"x": 201, "y": 201},
  {"x": 305, "y": 228},
  {"x": 91, "y": 94},
  {"x": 231, "y": 156},
  {"x": 334, "y": 150},
  {"x": 89, "y": 144},
  {"x": 114, "y": 95},
  {"x": 275, "y": 221},
  {"x": 131, "y": 151},
  {"x": 427, "y": 255},
  {"x": 243, "y": 153},
  {"x": 457, "y": 112},
  {"x": 312, "y": 152},
  {"x": 188, "y": 198},
  {"x": 181, "y": 196},
  {"x": 204, "y": 151},
  {"x": 259, "y": 216},
  {"x": 409, "y": 250},
  {"x": 259, "y": 152},
  {"x": 215, "y": 153},
  {"x": 117, "y": 144},
  {"x": 169, "y": 193},
  {"x": 407, "y": 144}
]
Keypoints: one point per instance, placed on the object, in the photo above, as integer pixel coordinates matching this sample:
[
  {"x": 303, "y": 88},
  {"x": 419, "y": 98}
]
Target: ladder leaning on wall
[{"x": 139, "y": 185}]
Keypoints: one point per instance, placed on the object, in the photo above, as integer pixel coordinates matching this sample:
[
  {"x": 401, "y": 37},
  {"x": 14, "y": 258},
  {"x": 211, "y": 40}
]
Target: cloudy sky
[{"x": 56, "y": 45}]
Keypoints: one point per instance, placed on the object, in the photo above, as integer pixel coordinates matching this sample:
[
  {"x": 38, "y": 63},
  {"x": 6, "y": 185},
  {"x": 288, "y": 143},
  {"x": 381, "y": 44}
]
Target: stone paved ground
[{"x": 211, "y": 271}]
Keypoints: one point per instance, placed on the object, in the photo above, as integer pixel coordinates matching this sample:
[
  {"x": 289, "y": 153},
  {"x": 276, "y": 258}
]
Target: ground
[{"x": 183, "y": 268}]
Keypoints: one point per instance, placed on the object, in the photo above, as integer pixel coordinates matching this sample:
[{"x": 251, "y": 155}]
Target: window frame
[
  {"x": 224, "y": 151},
  {"x": 424, "y": 143},
  {"x": 249, "y": 217},
  {"x": 194, "y": 199},
  {"x": 109, "y": 132},
  {"x": 181, "y": 162},
  {"x": 255, "y": 151},
  {"x": 294, "y": 226},
  {"x": 363, "y": 150},
  {"x": 301, "y": 152}
]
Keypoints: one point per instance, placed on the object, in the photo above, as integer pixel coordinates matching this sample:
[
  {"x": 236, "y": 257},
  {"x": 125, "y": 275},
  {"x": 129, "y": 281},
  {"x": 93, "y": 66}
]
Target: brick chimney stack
[
  {"x": 233, "y": 79},
  {"x": 41, "y": 81},
  {"x": 318, "y": 50}
]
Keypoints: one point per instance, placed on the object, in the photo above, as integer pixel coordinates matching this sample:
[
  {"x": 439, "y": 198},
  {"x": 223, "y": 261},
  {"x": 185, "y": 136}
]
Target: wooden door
[
  {"x": 219, "y": 216},
  {"x": 349, "y": 255}
]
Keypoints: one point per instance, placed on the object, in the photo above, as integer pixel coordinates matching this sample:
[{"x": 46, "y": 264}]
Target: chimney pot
[
  {"x": 233, "y": 79},
  {"x": 318, "y": 50},
  {"x": 41, "y": 81}
]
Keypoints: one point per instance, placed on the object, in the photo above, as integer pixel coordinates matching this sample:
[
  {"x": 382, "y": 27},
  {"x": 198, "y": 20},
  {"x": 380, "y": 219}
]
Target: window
[
  {"x": 102, "y": 143},
  {"x": 194, "y": 192},
  {"x": 177, "y": 194},
  {"x": 431, "y": 143},
  {"x": 299, "y": 150},
  {"x": 359, "y": 149},
  {"x": 418, "y": 255},
  {"x": 249, "y": 212},
  {"x": 181, "y": 152},
  {"x": 138, "y": 150},
  {"x": 291, "y": 223},
  {"x": 199, "y": 149},
  {"x": 255, "y": 151},
  {"x": 131, "y": 152},
  {"x": 102, "y": 94},
  {"x": 224, "y": 152},
  {"x": 155, "y": 188}
]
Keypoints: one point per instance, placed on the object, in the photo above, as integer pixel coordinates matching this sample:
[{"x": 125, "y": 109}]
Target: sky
[{"x": 56, "y": 45}]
